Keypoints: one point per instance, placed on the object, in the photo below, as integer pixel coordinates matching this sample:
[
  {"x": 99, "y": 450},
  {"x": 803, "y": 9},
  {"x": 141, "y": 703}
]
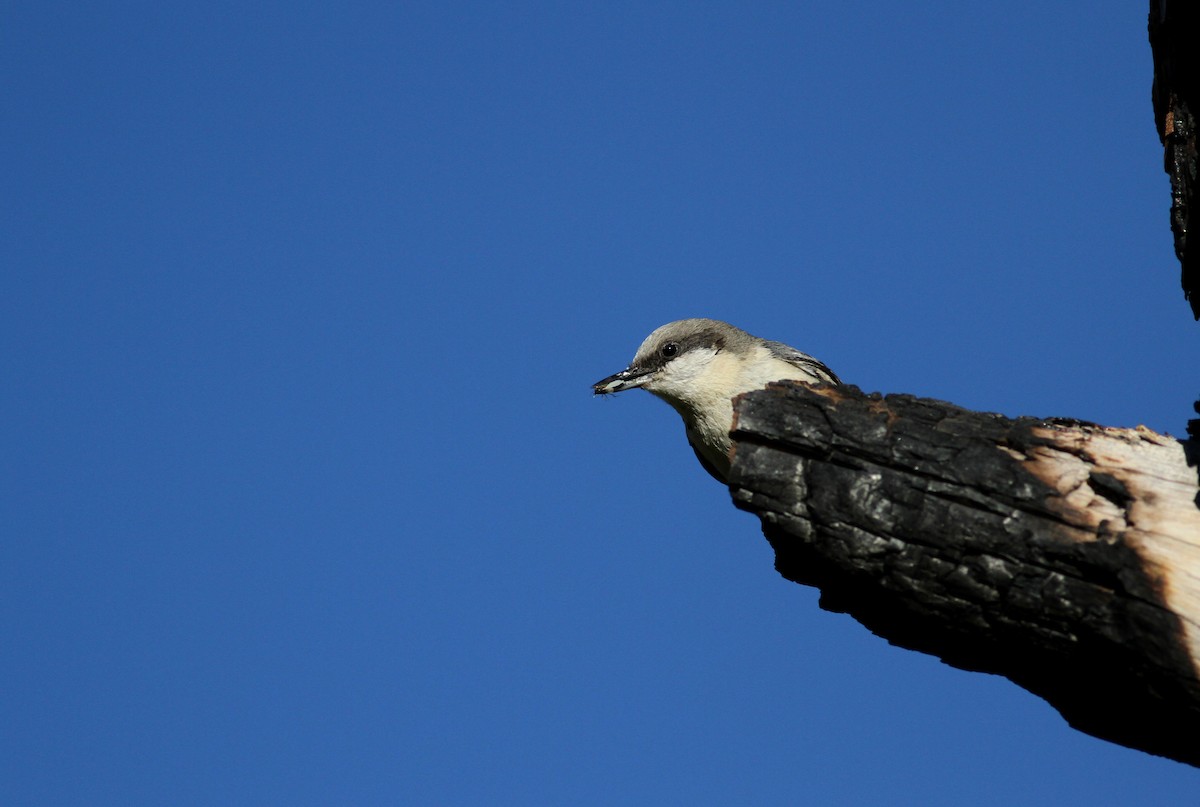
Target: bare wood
[{"x": 1061, "y": 554}]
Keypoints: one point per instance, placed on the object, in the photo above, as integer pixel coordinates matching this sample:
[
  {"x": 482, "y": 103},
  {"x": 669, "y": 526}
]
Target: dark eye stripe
[{"x": 670, "y": 350}]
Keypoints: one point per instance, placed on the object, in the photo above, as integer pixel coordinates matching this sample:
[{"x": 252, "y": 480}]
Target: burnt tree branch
[
  {"x": 1174, "y": 30},
  {"x": 1060, "y": 554}
]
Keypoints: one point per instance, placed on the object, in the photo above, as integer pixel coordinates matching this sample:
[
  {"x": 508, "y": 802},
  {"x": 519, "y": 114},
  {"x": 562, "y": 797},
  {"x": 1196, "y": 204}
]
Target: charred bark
[
  {"x": 1060, "y": 554},
  {"x": 1174, "y": 30}
]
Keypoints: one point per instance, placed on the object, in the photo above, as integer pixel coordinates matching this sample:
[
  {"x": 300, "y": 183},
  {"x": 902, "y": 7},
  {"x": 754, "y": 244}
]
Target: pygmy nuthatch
[{"x": 699, "y": 366}]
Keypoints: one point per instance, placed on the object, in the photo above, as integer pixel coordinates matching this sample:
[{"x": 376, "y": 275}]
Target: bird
[{"x": 699, "y": 366}]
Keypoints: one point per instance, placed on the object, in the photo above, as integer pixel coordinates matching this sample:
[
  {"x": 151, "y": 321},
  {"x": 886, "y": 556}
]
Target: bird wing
[{"x": 802, "y": 360}]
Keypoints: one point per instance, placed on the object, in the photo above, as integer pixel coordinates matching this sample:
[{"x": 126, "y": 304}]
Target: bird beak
[{"x": 628, "y": 378}]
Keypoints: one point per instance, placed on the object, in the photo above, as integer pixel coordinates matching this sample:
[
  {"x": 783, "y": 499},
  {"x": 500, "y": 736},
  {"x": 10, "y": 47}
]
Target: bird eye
[{"x": 670, "y": 349}]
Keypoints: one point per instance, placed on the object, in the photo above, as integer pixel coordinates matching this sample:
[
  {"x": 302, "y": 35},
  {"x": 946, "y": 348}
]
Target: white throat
[{"x": 701, "y": 385}]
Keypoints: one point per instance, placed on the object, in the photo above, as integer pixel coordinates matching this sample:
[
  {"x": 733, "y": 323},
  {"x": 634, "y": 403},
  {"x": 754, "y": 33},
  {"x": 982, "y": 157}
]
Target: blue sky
[{"x": 305, "y": 496}]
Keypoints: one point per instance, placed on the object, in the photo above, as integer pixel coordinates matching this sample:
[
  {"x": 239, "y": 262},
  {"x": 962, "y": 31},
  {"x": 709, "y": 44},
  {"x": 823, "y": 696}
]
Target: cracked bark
[
  {"x": 1060, "y": 554},
  {"x": 1174, "y": 27}
]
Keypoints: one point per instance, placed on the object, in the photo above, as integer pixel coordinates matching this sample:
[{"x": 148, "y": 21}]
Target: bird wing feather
[{"x": 802, "y": 360}]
